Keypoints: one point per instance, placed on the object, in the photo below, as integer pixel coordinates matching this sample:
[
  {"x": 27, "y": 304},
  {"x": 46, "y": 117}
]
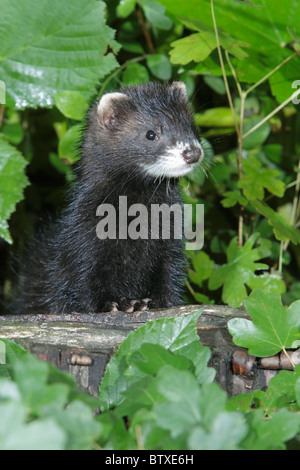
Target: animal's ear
[
  {"x": 111, "y": 108},
  {"x": 179, "y": 89}
]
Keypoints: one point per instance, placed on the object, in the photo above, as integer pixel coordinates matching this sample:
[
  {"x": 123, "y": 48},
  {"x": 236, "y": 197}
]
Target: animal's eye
[{"x": 151, "y": 135}]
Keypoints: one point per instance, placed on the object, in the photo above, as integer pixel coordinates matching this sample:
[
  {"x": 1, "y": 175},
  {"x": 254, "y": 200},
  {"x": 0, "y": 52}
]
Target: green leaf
[
  {"x": 160, "y": 66},
  {"x": 78, "y": 423},
  {"x": 135, "y": 74},
  {"x": 272, "y": 328},
  {"x": 68, "y": 144},
  {"x": 232, "y": 198},
  {"x": 12, "y": 183},
  {"x": 203, "y": 267},
  {"x": 13, "y": 132},
  {"x": 155, "y": 13},
  {"x": 271, "y": 433},
  {"x": 282, "y": 230},
  {"x": 280, "y": 393},
  {"x": 195, "y": 47},
  {"x": 16, "y": 434},
  {"x": 182, "y": 394},
  {"x": 258, "y": 137},
  {"x": 255, "y": 178},
  {"x": 64, "y": 49},
  {"x": 268, "y": 282},
  {"x": 171, "y": 333},
  {"x": 125, "y": 8},
  {"x": 71, "y": 104},
  {"x": 228, "y": 431},
  {"x": 151, "y": 357},
  {"x": 215, "y": 117},
  {"x": 241, "y": 264}
]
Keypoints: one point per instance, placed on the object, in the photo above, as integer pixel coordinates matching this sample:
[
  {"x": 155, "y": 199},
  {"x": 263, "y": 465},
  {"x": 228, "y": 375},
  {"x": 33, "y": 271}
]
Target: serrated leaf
[
  {"x": 12, "y": 183},
  {"x": 38, "y": 435},
  {"x": 151, "y": 357},
  {"x": 255, "y": 178},
  {"x": 280, "y": 393},
  {"x": 232, "y": 198},
  {"x": 195, "y": 47},
  {"x": 237, "y": 272},
  {"x": 271, "y": 433},
  {"x": 272, "y": 328},
  {"x": 228, "y": 431},
  {"x": 171, "y": 333},
  {"x": 268, "y": 282},
  {"x": 203, "y": 267},
  {"x": 55, "y": 46}
]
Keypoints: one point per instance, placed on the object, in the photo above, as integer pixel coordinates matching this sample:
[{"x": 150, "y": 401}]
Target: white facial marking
[{"x": 172, "y": 163}]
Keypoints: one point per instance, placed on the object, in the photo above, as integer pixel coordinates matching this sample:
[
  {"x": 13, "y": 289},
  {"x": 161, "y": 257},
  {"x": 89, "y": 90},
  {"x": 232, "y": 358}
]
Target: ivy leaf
[
  {"x": 55, "y": 46},
  {"x": 237, "y": 272},
  {"x": 273, "y": 328},
  {"x": 12, "y": 183},
  {"x": 256, "y": 178}
]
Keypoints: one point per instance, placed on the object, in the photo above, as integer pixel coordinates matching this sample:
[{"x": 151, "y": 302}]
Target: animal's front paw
[
  {"x": 134, "y": 305},
  {"x": 110, "y": 307}
]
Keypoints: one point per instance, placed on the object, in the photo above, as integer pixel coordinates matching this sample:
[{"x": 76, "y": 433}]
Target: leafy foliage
[
  {"x": 273, "y": 328},
  {"x": 152, "y": 396},
  {"x": 251, "y": 195},
  {"x": 33, "y": 63}
]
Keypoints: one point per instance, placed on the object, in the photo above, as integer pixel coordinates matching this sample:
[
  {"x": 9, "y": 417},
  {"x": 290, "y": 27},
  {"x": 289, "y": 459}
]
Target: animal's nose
[{"x": 193, "y": 154}]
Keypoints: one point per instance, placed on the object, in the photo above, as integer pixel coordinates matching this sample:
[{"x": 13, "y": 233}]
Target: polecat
[{"x": 136, "y": 143}]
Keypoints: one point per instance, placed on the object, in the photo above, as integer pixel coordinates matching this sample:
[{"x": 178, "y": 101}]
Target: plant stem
[
  {"x": 223, "y": 68},
  {"x": 280, "y": 256},
  {"x": 286, "y": 354},
  {"x": 119, "y": 70},
  {"x": 2, "y": 112},
  {"x": 188, "y": 285},
  {"x": 144, "y": 28},
  {"x": 275, "y": 111},
  {"x": 242, "y": 95},
  {"x": 270, "y": 73}
]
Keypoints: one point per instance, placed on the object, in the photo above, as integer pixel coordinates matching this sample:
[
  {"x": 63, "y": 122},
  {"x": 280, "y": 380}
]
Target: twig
[
  {"x": 119, "y": 70},
  {"x": 290, "y": 360},
  {"x": 223, "y": 68},
  {"x": 2, "y": 112},
  {"x": 270, "y": 73},
  {"x": 275, "y": 111},
  {"x": 144, "y": 28}
]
